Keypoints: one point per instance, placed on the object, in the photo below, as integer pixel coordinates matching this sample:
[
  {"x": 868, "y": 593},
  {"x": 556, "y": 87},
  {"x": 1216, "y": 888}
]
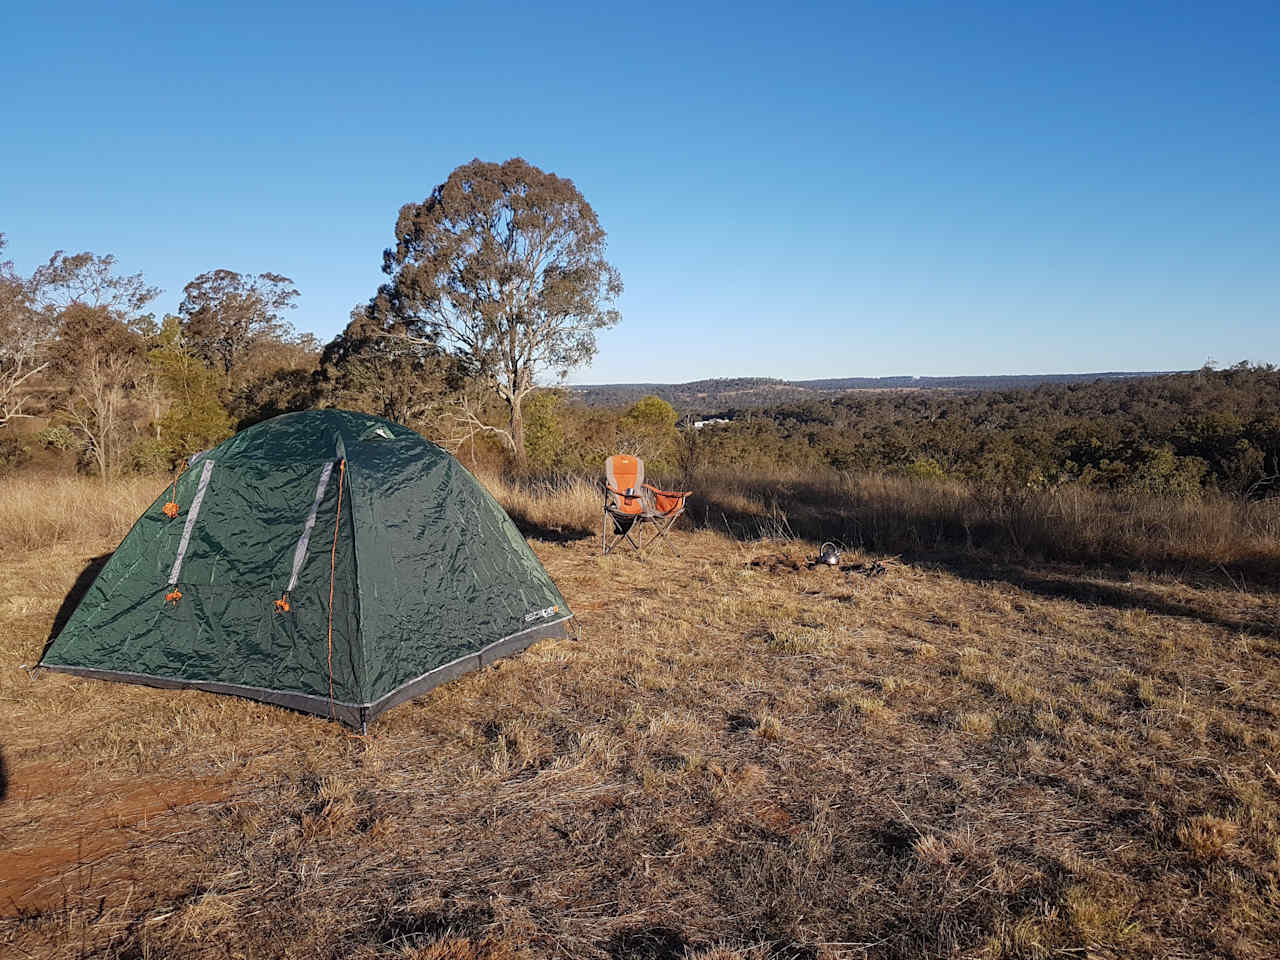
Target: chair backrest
[{"x": 624, "y": 473}]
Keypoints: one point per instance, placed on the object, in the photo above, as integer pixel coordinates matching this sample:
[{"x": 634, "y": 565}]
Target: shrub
[
  {"x": 925, "y": 468},
  {"x": 543, "y": 437},
  {"x": 150, "y": 455},
  {"x": 13, "y": 454},
  {"x": 59, "y": 438}
]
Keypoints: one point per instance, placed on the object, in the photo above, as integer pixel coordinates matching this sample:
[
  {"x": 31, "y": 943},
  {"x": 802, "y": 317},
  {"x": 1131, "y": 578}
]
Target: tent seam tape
[
  {"x": 191, "y": 522},
  {"x": 300, "y": 551},
  {"x": 361, "y": 671}
]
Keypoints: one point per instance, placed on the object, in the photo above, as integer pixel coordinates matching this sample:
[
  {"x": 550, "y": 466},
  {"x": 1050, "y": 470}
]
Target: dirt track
[{"x": 66, "y": 829}]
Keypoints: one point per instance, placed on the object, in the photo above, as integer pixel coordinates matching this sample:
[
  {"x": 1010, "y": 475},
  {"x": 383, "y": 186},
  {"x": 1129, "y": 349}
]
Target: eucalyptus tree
[
  {"x": 26, "y": 334},
  {"x": 503, "y": 267},
  {"x": 225, "y": 314},
  {"x": 98, "y": 360}
]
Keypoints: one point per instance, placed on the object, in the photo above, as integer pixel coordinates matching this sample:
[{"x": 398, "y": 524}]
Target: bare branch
[{"x": 467, "y": 425}]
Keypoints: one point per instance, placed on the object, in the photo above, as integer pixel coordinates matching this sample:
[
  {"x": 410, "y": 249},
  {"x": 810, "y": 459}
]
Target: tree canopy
[
  {"x": 365, "y": 369},
  {"x": 26, "y": 333},
  {"x": 503, "y": 266},
  {"x": 225, "y": 313}
]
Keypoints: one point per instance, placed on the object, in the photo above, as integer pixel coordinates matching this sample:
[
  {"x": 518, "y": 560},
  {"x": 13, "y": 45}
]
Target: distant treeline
[
  {"x": 704, "y": 396},
  {"x": 1172, "y": 434}
]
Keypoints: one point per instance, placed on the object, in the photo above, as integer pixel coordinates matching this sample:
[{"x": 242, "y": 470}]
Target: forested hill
[
  {"x": 1175, "y": 434},
  {"x": 701, "y": 396}
]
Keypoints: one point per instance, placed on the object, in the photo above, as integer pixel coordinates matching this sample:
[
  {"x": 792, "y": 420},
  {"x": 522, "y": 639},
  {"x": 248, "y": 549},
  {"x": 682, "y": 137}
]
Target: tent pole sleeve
[{"x": 191, "y": 522}]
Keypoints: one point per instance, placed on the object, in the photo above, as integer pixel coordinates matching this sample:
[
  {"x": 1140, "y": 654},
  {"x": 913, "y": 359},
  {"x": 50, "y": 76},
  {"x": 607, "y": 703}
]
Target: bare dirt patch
[{"x": 78, "y": 829}]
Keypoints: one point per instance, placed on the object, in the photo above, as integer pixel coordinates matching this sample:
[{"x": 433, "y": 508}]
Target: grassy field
[{"x": 962, "y": 746}]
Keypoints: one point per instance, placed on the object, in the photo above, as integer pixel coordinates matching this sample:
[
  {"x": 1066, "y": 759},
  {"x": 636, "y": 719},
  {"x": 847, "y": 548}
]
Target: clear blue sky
[{"x": 789, "y": 190}]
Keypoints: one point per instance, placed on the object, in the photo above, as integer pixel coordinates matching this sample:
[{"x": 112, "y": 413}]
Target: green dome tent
[{"x": 326, "y": 561}]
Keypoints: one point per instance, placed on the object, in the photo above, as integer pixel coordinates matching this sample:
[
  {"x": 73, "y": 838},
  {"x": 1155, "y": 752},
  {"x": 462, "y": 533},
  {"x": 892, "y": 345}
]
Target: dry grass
[
  {"x": 38, "y": 512},
  {"x": 738, "y": 757},
  {"x": 551, "y": 508},
  {"x": 902, "y": 515}
]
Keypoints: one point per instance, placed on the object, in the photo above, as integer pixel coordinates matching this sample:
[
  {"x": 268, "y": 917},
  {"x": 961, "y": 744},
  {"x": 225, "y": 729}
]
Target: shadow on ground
[
  {"x": 1089, "y": 589},
  {"x": 981, "y": 553},
  {"x": 533, "y": 530},
  {"x": 883, "y": 525},
  {"x": 69, "y": 603},
  {"x": 4, "y": 778}
]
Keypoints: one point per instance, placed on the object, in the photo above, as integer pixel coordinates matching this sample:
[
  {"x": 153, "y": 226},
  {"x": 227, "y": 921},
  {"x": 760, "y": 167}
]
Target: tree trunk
[
  {"x": 100, "y": 456},
  {"x": 517, "y": 434}
]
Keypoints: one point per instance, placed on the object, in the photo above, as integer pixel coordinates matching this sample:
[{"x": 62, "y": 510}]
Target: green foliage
[
  {"x": 543, "y": 437},
  {"x": 1163, "y": 473},
  {"x": 648, "y": 430},
  {"x": 925, "y": 468},
  {"x": 372, "y": 368},
  {"x": 151, "y": 455},
  {"x": 651, "y": 413},
  {"x": 271, "y": 394},
  {"x": 225, "y": 314},
  {"x": 196, "y": 418},
  {"x": 1174, "y": 434},
  {"x": 59, "y": 437}
]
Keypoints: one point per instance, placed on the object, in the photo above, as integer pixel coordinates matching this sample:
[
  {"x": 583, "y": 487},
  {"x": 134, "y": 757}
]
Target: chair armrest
[
  {"x": 620, "y": 493},
  {"x": 669, "y": 493}
]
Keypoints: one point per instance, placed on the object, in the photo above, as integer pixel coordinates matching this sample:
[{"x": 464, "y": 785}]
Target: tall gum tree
[
  {"x": 98, "y": 357},
  {"x": 503, "y": 266},
  {"x": 26, "y": 334},
  {"x": 224, "y": 314}
]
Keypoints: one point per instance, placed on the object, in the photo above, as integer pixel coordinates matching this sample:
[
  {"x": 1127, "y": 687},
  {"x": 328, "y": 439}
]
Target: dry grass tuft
[
  {"x": 977, "y": 723},
  {"x": 795, "y": 640},
  {"x": 565, "y": 505},
  {"x": 1208, "y": 838},
  {"x": 897, "y": 514},
  {"x": 768, "y": 727},
  {"x": 1102, "y": 913}
]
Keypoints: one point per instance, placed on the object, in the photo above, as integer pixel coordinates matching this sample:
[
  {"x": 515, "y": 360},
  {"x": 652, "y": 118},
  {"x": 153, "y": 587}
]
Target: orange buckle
[
  {"x": 173, "y": 596},
  {"x": 170, "y": 509},
  {"x": 282, "y": 605}
]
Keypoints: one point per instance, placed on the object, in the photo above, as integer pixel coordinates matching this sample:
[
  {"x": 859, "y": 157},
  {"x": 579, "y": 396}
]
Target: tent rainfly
[{"x": 326, "y": 561}]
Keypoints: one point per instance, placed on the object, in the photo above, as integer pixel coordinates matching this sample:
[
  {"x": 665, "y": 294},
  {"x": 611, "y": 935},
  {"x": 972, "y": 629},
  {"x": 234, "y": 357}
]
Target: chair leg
[
  {"x": 607, "y": 547},
  {"x": 661, "y": 525},
  {"x": 663, "y": 528},
  {"x": 610, "y": 547},
  {"x": 638, "y": 543}
]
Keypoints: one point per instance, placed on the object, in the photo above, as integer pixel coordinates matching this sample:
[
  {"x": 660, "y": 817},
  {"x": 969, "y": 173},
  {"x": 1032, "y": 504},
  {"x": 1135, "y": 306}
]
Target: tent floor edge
[
  {"x": 355, "y": 715},
  {"x": 321, "y": 706},
  {"x": 506, "y": 647}
]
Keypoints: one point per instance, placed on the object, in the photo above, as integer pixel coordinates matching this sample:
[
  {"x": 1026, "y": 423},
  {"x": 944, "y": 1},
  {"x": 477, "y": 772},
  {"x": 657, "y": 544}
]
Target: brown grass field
[{"x": 981, "y": 751}]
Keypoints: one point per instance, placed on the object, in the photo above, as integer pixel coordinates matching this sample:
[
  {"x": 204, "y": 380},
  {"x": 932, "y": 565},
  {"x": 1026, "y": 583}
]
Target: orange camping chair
[{"x": 629, "y": 502}]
